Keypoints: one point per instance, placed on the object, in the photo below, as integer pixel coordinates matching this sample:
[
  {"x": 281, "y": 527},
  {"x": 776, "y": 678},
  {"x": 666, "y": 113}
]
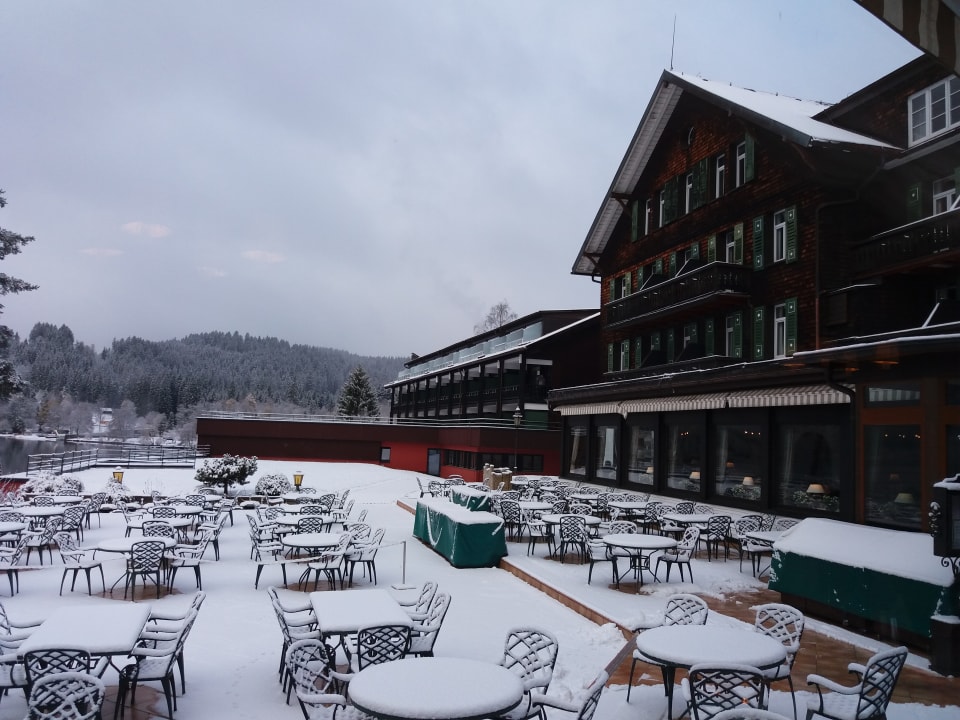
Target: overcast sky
[{"x": 370, "y": 176}]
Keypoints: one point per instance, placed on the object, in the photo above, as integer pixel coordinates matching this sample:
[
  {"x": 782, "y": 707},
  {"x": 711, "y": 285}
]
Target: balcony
[
  {"x": 716, "y": 283},
  {"x": 931, "y": 242}
]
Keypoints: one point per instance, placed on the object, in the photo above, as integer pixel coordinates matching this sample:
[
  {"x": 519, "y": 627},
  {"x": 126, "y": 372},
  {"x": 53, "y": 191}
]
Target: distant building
[{"x": 779, "y": 301}]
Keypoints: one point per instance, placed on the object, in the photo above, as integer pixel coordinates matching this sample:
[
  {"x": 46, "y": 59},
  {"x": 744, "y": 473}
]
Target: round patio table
[
  {"x": 438, "y": 688},
  {"x": 292, "y": 519},
  {"x": 534, "y": 505},
  {"x": 311, "y": 541},
  {"x": 42, "y": 511},
  {"x": 124, "y": 545},
  {"x": 635, "y": 544},
  {"x": 681, "y": 646}
]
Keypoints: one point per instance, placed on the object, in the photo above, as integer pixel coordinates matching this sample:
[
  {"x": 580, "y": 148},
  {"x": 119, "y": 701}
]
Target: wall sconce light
[
  {"x": 297, "y": 480},
  {"x": 650, "y": 470},
  {"x": 118, "y": 475},
  {"x": 695, "y": 475},
  {"x": 816, "y": 489},
  {"x": 729, "y": 465},
  {"x": 904, "y": 498},
  {"x": 747, "y": 480}
]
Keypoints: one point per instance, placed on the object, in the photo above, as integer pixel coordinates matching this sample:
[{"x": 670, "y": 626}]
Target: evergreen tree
[
  {"x": 10, "y": 244},
  {"x": 357, "y": 398}
]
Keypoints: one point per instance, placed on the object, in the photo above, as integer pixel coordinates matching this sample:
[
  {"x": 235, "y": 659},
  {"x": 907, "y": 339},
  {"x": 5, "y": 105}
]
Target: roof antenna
[{"x": 673, "y": 40}]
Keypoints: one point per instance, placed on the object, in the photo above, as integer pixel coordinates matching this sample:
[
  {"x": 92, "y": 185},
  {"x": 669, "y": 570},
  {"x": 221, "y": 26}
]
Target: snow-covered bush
[
  {"x": 226, "y": 471},
  {"x": 49, "y": 484},
  {"x": 276, "y": 484}
]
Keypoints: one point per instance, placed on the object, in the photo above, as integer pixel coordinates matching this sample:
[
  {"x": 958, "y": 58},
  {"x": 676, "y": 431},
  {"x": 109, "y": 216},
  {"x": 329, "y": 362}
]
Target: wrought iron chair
[
  {"x": 66, "y": 696},
  {"x": 330, "y": 563},
  {"x": 584, "y": 709},
  {"x": 40, "y": 663},
  {"x": 42, "y": 539},
  {"x": 599, "y": 551},
  {"x": 783, "y": 623},
  {"x": 531, "y": 654},
  {"x": 710, "y": 689},
  {"x": 681, "y": 554},
  {"x": 72, "y": 520},
  {"x": 512, "y": 518},
  {"x": 76, "y": 559},
  {"x": 423, "y": 634},
  {"x": 378, "y": 644},
  {"x": 183, "y": 555},
  {"x": 681, "y": 609},
  {"x": 418, "y": 608},
  {"x": 866, "y": 700},
  {"x": 161, "y": 512},
  {"x": 10, "y": 564},
  {"x": 158, "y": 528},
  {"x": 365, "y": 555},
  {"x": 573, "y": 534},
  {"x": 316, "y": 683},
  {"x": 146, "y": 561},
  {"x": 716, "y": 532},
  {"x": 312, "y": 524}
]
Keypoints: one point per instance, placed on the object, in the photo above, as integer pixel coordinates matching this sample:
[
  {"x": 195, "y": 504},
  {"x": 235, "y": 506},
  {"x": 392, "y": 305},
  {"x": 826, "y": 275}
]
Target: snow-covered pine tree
[{"x": 357, "y": 397}]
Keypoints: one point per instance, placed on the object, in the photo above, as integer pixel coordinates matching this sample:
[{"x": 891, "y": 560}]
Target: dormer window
[{"x": 935, "y": 110}]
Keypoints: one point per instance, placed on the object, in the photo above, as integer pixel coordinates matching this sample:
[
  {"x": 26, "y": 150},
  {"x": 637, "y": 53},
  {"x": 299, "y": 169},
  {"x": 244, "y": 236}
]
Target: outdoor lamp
[
  {"x": 517, "y": 417},
  {"x": 816, "y": 489},
  {"x": 650, "y": 470},
  {"x": 695, "y": 475},
  {"x": 297, "y": 479},
  {"x": 904, "y": 498},
  {"x": 118, "y": 475},
  {"x": 747, "y": 480}
]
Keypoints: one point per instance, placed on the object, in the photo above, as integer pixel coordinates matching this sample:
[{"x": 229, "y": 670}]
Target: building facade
[{"x": 778, "y": 290}]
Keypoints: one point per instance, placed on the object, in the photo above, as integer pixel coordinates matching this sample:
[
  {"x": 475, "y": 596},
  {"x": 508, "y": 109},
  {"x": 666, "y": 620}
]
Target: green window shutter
[
  {"x": 610, "y": 357},
  {"x": 791, "y": 234},
  {"x": 749, "y": 171},
  {"x": 758, "y": 333},
  {"x": 658, "y": 266},
  {"x": 695, "y": 251},
  {"x": 670, "y": 345},
  {"x": 738, "y": 335},
  {"x": 634, "y": 220},
  {"x": 624, "y": 355},
  {"x": 914, "y": 202},
  {"x": 738, "y": 243},
  {"x": 673, "y": 264},
  {"x": 627, "y": 284},
  {"x": 690, "y": 331},
  {"x": 655, "y": 341},
  {"x": 637, "y": 352},
  {"x": 612, "y": 284},
  {"x": 790, "y": 310},
  {"x": 701, "y": 182},
  {"x": 641, "y": 275},
  {"x": 758, "y": 243},
  {"x": 670, "y": 200},
  {"x": 708, "y": 342},
  {"x": 712, "y": 248}
]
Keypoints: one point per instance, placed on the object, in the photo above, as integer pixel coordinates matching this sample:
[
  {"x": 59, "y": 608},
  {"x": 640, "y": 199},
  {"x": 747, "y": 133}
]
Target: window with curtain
[
  {"x": 684, "y": 455},
  {"x": 739, "y": 465},
  {"x": 606, "y": 440},
  {"x": 807, "y": 464},
  {"x": 643, "y": 441},
  {"x": 576, "y": 443},
  {"x": 891, "y": 468}
]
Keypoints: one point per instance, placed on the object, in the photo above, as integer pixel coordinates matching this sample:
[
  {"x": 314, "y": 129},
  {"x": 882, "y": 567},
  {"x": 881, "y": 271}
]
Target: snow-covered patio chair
[
  {"x": 296, "y": 623},
  {"x": 145, "y": 561},
  {"x": 746, "y": 712},
  {"x": 417, "y": 609},
  {"x": 329, "y": 563},
  {"x": 42, "y": 539},
  {"x": 584, "y": 708},
  {"x": 868, "y": 699},
  {"x": 599, "y": 551},
  {"x": 187, "y": 555},
  {"x": 72, "y": 520},
  {"x": 66, "y": 696},
  {"x": 10, "y": 564},
  {"x": 712, "y": 688},
  {"x": 76, "y": 559},
  {"x": 377, "y": 644},
  {"x": 573, "y": 535},
  {"x": 681, "y": 609},
  {"x": 423, "y": 634},
  {"x": 681, "y": 554},
  {"x": 784, "y": 623},
  {"x": 365, "y": 555},
  {"x": 40, "y": 663},
  {"x": 317, "y": 684},
  {"x": 531, "y": 654}
]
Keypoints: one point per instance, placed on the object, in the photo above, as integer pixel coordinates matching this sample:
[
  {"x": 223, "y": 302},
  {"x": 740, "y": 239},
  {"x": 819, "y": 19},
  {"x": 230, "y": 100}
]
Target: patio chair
[
  {"x": 512, "y": 518},
  {"x": 424, "y": 490},
  {"x": 316, "y": 683},
  {"x": 213, "y": 528},
  {"x": 365, "y": 555},
  {"x": 76, "y": 559},
  {"x": 93, "y": 508},
  {"x": 580, "y": 508},
  {"x": 309, "y": 509},
  {"x": 681, "y": 609},
  {"x": 11, "y": 633},
  {"x": 11, "y": 539},
  {"x": 295, "y": 624},
  {"x": 537, "y": 529},
  {"x": 651, "y": 517},
  {"x": 712, "y": 688},
  {"x": 326, "y": 501},
  {"x": 599, "y": 551},
  {"x": 573, "y": 534},
  {"x": 66, "y": 696},
  {"x": 685, "y": 507},
  {"x": 531, "y": 654},
  {"x": 716, "y": 532},
  {"x": 41, "y": 540},
  {"x": 377, "y": 644},
  {"x": 423, "y": 634},
  {"x": 342, "y": 513},
  {"x": 72, "y": 520},
  {"x": 681, "y": 554},
  {"x": 783, "y": 623},
  {"x": 10, "y": 564},
  {"x": 195, "y": 499},
  {"x": 349, "y": 524},
  {"x": 666, "y": 526},
  {"x": 867, "y": 700},
  {"x": 418, "y": 608},
  {"x": 44, "y": 501},
  {"x": 746, "y": 712},
  {"x": 584, "y": 709},
  {"x": 312, "y": 524},
  {"x": 186, "y": 555},
  {"x": 145, "y": 561},
  {"x": 330, "y": 563},
  {"x": 39, "y": 663},
  {"x": 737, "y": 535},
  {"x": 161, "y": 512},
  {"x": 158, "y": 528}
]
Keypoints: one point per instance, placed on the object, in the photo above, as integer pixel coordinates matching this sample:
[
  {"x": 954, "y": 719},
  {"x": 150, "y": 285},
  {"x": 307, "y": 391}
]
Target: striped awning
[{"x": 768, "y": 397}]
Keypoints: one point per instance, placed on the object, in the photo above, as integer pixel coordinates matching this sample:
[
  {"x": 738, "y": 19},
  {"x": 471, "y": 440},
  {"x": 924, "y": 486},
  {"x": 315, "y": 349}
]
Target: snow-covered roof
[{"x": 790, "y": 117}]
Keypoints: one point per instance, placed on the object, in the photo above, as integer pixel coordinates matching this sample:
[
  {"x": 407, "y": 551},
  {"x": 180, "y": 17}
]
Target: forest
[{"x": 156, "y": 388}]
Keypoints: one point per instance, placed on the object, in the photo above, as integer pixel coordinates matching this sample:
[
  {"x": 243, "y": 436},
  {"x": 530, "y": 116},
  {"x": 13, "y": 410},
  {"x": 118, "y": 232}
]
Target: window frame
[
  {"x": 938, "y": 193},
  {"x": 922, "y": 113},
  {"x": 780, "y": 235},
  {"x": 741, "y": 163},
  {"x": 688, "y": 193},
  {"x": 780, "y": 330},
  {"x": 719, "y": 175}
]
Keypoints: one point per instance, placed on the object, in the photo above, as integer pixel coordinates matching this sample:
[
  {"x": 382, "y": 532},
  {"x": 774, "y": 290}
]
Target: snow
[
  {"x": 350, "y": 611},
  {"x": 893, "y": 552},
  {"x": 233, "y": 651}
]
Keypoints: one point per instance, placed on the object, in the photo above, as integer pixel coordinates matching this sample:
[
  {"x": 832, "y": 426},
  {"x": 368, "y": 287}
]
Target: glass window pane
[
  {"x": 739, "y": 461},
  {"x": 606, "y": 450},
  {"x": 577, "y": 450},
  {"x": 938, "y": 108},
  {"x": 642, "y": 444},
  {"x": 918, "y": 118},
  {"x": 892, "y": 470},
  {"x": 684, "y": 465},
  {"x": 807, "y": 462},
  {"x": 893, "y": 394}
]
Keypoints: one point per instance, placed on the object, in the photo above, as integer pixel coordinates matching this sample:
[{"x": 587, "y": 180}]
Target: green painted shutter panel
[
  {"x": 758, "y": 333},
  {"x": 634, "y": 220},
  {"x": 791, "y": 216},
  {"x": 790, "y": 310},
  {"x": 708, "y": 341},
  {"x": 737, "y": 335},
  {"x": 627, "y": 284},
  {"x": 738, "y": 243},
  {"x": 695, "y": 251},
  {"x": 673, "y": 264},
  {"x": 655, "y": 341},
  {"x": 610, "y": 357},
  {"x": 749, "y": 170},
  {"x": 612, "y": 283},
  {"x": 914, "y": 202},
  {"x": 670, "y": 200},
  {"x": 670, "y": 345},
  {"x": 701, "y": 182},
  {"x": 637, "y": 352},
  {"x": 658, "y": 266},
  {"x": 690, "y": 331},
  {"x": 758, "y": 243},
  {"x": 712, "y": 248},
  {"x": 624, "y": 355}
]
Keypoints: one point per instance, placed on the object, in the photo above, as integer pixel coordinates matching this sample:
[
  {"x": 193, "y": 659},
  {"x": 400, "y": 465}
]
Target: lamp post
[
  {"x": 517, "y": 419},
  {"x": 118, "y": 475},
  {"x": 297, "y": 480}
]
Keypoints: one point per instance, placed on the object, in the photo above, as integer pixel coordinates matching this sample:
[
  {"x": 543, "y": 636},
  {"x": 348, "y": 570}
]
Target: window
[
  {"x": 733, "y": 335},
  {"x": 741, "y": 164},
  {"x": 688, "y": 193},
  {"x": 780, "y": 236},
  {"x": 729, "y": 247},
  {"x": 934, "y": 110},
  {"x": 576, "y": 449},
  {"x": 663, "y": 207},
  {"x": 648, "y": 217},
  {"x": 719, "y": 173},
  {"x": 642, "y": 442},
  {"x": 809, "y": 456},
  {"x": 944, "y": 192},
  {"x": 685, "y": 448},
  {"x": 740, "y": 460},
  {"x": 891, "y": 466},
  {"x": 606, "y": 440},
  {"x": 624, "y": 355},
  {"x": 780, "y": 330}
]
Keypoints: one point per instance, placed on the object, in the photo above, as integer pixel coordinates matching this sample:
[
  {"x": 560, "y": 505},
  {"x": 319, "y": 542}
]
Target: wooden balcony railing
[
  {"x": 706, "y": 281},
  {"x": 909, "y": 244}
]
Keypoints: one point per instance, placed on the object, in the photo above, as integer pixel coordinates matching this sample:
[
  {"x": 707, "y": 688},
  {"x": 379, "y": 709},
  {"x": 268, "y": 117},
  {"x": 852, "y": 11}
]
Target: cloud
[
  {"x": 212, "y": 272},
  {"x": 263, "y": 256},
  {"x": 149, "y": 229},
  {"x": 101, "y": 252}
]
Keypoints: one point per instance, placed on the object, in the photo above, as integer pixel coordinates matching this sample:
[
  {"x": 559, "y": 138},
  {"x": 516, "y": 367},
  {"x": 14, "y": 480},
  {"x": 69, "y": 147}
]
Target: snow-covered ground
[{"x": 233, "y": 652}]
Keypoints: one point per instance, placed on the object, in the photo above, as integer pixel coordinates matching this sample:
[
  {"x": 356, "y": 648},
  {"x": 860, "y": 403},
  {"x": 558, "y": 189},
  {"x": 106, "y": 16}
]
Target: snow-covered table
[
  {"x": 345, "y": 612},
  {"x": 107, "y": 629},
  {"x": 639, "y": 547},
  {"x": 681, "y": 646},
  {"x": 311, "y": 541},
  {"x": 465, "y": 538},
  {"x": 470, "y": 498},
  {"x": 436, "y": 688}
]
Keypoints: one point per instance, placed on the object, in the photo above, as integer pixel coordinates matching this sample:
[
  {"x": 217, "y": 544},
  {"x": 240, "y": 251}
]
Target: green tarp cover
[
  {"x": 465, "y": 538},
  {"x": 469, "y": 498}
]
